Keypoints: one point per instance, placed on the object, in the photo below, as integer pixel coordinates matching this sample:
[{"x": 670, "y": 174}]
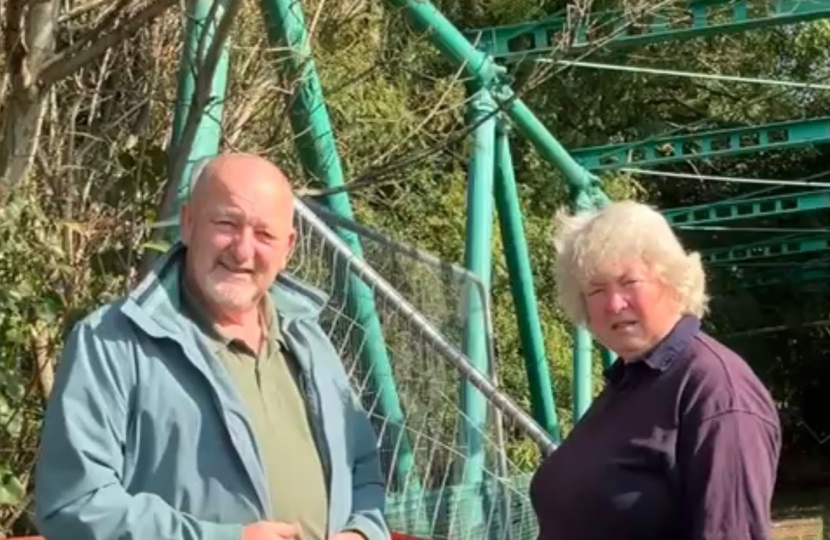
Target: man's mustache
[{"x": 229, "y": 264}]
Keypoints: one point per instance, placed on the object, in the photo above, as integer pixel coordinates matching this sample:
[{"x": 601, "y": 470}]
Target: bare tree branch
[
  {"x": 33, "y": 68},
  {"x": 43, "y": 362},
  {"x": 62, "y": 66},
  {"x": 107, "y": 21},
  {"x": 201, "y": 100},
  {"x": 204, "y": 71},
  {"x": 30, "y": 38},
  {"x": 78, "y": 11},
  {"x": 253, "y": 104}
]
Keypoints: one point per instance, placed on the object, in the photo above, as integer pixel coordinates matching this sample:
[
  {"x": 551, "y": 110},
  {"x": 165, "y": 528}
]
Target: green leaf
[{"x": 12, "y": 491}]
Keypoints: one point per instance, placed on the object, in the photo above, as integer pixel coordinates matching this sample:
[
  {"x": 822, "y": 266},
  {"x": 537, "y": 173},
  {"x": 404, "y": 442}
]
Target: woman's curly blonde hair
[{"x": 588, "y": 242}]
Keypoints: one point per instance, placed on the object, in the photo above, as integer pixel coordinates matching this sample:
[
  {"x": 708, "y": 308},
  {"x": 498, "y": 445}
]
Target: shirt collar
[
  {"x": 271, "y": 318},
  {"x": 664, "y": 353},
  {"x": 193, "y": 309}
]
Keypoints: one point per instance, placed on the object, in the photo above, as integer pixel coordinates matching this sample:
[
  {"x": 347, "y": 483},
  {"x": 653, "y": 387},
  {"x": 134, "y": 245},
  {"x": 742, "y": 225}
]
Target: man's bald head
[
  {"x": 228, "y": 170},
  {"x": 238, "y": 227}
]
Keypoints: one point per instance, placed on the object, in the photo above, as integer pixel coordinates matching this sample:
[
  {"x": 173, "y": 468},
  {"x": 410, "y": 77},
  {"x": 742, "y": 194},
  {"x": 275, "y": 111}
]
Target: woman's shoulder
[{"x": 716, "y": 380}]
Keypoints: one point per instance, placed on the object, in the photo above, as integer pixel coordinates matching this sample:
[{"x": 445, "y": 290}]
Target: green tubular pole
[
  {"x": 583, "y": 359},
  {"x": 202, "y": 20},
  {"x": 582, "y": 373},
  {"x": 584, "y": 186},
  {"x": 521, "y": 285},
  {"x": 577, "y": 176},
  {"x": 318, "y": 152},
  {"x": 478, "y": 259},
  {"x": 608, "y": 357},
  {"x": 449, "y": 40},
  {"x": 481, "y": 67}
]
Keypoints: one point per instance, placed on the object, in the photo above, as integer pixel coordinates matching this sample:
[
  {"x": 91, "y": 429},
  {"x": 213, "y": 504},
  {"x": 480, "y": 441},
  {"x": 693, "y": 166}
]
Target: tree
[{"x": 37, "y": 59}]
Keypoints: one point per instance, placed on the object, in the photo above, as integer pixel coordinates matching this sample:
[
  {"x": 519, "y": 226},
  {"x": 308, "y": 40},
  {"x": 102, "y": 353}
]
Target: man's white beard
[{"x": 232, "y": 296}]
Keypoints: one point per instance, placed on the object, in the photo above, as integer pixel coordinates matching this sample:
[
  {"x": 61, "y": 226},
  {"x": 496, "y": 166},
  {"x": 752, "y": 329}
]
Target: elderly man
[{"x": 208, "y": 404}]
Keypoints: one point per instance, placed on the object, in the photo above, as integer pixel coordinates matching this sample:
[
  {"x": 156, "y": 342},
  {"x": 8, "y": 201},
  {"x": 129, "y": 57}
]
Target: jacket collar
[
  {"x": 158, "y": 294},
  {"x": 155, "y": 305}
]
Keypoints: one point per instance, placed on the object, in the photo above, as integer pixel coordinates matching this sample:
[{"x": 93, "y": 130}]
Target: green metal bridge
[{"x": 488, "y": 58}]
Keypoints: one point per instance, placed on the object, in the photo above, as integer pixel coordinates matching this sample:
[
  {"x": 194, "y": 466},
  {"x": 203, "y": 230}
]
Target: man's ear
[{"x": 292, "y": 243}]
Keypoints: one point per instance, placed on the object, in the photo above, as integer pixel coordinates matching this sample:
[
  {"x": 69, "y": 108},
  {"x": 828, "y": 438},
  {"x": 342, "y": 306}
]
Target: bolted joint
[
  {"x": 481, "y": 106},
  {"x": 503, "y": 125},
  {"x": 589, "y": 196}
]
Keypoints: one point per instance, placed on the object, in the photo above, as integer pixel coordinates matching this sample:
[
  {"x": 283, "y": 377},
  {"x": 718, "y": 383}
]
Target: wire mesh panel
[{"x": 447, "y": 474}]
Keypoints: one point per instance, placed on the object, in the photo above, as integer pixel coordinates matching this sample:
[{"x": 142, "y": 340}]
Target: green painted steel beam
[
  {"x": 583, "y": 379},
  {"x": 586, "y": 190},
  {"x": 314, "y": 139},
  {"x": 478, "y": 259},
  {"x": 520, "y": 271},
  {"x": 607, "y": 357},
  {"x": 705, "y": 145},
  {"x": 794, "y": 277},
  {"x": 483, "y": 71},
  {"x": 615, "y": 29},
  {"x": 762, "y": 250},
  {"x": 720, "y": 212},
  {"x": 203, "y": 18}
]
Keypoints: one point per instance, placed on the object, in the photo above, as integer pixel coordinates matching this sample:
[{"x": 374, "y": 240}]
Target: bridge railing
[{"x": 447, "y": 475}]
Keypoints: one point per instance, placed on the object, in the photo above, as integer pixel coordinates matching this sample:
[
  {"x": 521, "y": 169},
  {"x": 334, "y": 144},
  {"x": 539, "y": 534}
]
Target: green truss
[
  {"x": 812, "y": 243},
  {"x": 614, "y": 29},
  {"x": 704, "y": 145},
  {"x": 721, "y": 212}
]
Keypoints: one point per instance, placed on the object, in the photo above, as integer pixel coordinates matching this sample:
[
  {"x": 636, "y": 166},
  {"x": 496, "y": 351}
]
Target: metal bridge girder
[
  {"x": 796, "y": 277},
  {"x": 699, "y": 18},
  {"x": 720, "y": 212},
  {"x": 708, "y": 144},
  {"x": 763, "y": 250}
]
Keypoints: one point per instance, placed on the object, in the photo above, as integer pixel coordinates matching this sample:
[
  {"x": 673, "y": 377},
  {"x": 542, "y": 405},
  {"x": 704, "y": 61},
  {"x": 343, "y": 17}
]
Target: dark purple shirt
[{"x": 682, "y": 445}]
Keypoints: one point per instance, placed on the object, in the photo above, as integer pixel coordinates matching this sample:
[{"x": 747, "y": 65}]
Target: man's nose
[{"x": 243, "y": 246}]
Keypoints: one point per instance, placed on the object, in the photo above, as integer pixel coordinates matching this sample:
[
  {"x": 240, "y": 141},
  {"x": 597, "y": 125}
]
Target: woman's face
[{"x": 630, "y": 309}]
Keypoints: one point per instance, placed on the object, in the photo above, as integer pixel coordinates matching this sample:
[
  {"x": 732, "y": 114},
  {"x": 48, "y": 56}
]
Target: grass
[{"x": 802, "y": 515}]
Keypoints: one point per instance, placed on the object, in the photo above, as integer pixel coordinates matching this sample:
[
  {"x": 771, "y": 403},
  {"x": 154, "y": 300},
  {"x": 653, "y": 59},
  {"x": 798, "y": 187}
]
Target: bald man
[{"x": 208, "y": 404}]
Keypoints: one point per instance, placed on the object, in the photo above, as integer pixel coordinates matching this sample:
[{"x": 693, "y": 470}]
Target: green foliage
[
  {"x": 74, "y": 237},
  {"x": 54, "y": 270}
]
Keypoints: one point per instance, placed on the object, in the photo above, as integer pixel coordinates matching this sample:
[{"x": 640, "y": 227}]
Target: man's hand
[
  {"x": 348, "y": 535},
  {"x": 270, "y": 530}
]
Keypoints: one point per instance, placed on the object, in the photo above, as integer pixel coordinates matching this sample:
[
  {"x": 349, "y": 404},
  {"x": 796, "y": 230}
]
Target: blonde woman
[{"x": 683, "y": 442}]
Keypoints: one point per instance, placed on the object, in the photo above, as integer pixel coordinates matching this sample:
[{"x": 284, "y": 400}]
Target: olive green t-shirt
[{"x": 266, "y": 381}]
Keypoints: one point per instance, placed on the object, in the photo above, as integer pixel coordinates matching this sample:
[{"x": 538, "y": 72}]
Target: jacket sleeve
[
  {"x": 78, "y": 484},
  {"x": 368, "y": 489},
  {"x": 728, "y": 468}
]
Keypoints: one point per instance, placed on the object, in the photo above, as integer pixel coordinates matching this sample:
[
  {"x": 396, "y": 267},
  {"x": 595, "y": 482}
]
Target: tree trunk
[
  {"x": 33, "y": 67},
  {"x": 29, "y": 41}
]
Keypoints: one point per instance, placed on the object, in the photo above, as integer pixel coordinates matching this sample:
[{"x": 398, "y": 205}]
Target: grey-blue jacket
[{"x": 145, "y": 437}]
